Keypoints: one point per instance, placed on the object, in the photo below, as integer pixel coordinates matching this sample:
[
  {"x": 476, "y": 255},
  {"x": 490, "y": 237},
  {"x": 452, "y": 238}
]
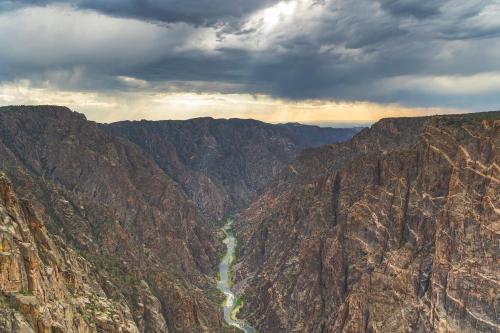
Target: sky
[{"x": 311, "y": 61}]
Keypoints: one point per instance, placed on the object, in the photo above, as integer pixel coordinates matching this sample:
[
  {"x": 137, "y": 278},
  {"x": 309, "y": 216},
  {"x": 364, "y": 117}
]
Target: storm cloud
[
  {"x": 197, "y": 12},
  {"x": 415, "y": 53}
]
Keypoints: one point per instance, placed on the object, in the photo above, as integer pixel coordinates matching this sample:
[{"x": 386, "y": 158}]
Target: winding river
[{"x": 225, "y": 281}]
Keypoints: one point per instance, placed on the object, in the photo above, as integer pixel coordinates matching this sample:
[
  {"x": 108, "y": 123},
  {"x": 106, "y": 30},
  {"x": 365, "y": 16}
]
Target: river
[{"x": 225, "y": 281}]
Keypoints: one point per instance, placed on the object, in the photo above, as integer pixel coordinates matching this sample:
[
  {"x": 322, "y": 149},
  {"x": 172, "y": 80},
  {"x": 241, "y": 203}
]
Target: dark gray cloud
[
  {"x": 418, "y": 53},
  {"x": 199, "y": 12},
  {"x": 416, "y": 8}
]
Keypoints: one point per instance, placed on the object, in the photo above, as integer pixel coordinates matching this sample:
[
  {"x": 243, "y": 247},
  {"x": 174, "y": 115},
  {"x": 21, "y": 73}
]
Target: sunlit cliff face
[{"x": 301, "y": 60}]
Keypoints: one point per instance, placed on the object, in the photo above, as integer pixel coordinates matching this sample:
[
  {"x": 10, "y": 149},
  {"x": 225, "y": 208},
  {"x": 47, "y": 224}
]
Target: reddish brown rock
[
  {"x": 36, "y": 294},
  {"x": 222, "y": 164},
  {"x": 396, "y": 230},
  {"x": 110, "y": 200}
]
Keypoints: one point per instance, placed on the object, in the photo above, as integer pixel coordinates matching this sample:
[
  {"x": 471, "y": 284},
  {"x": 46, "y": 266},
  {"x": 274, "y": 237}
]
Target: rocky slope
[
  {"x": 223, "y": 164},
  {"x": 45, "y": 286},
  {"x": 109, "y": 200},
  {"x": 396, "y": 230}
]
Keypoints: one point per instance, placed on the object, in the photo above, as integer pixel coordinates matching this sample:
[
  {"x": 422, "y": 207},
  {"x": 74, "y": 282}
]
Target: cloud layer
[{"x": 416, "y": 53}]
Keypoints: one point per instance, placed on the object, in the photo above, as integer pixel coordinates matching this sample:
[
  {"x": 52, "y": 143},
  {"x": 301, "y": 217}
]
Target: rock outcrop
[
  {"x": 396, "y": 230},
  {"x": 45, "y": 286},
  {"x": 109, "y": 200},
  {"x": 223, "y": 164}
]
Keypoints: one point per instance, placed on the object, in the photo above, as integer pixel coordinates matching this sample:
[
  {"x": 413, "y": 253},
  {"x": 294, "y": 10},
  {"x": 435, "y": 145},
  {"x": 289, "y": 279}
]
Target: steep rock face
[
  {"x": 223, "y": 164},
  {"x": 396, "y": 230},
  {"x": 110, "y": 200},
  {"x": 45, "y": 286}
]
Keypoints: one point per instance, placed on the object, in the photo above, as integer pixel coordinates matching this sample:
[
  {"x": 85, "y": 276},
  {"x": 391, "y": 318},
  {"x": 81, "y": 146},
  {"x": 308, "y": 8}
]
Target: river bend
[{"x": 225, "y": 281}]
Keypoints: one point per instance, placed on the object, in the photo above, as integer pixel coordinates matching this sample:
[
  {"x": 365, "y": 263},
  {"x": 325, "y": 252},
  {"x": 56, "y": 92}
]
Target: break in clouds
[{"x": 415, "y": 53}]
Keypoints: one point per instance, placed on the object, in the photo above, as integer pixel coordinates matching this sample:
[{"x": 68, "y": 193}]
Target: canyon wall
[
  {"x": 396, "y": 230},
  {"x": 111, "y": 201},
  {"x": 223, "y": 164}
]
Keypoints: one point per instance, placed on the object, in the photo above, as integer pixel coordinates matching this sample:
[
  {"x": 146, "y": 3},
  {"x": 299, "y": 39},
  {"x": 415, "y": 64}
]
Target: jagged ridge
[
  {"x": 394, "y": 231},
  {"x": 222, "y": 164}
]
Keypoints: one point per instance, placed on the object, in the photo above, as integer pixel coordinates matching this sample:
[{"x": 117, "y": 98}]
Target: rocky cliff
[
  {"x": 396, "y": 230},
  {"x": 109, "y": 200},
  {"x": 223, "y": 164},
  {"x": 45, "y": 286}
]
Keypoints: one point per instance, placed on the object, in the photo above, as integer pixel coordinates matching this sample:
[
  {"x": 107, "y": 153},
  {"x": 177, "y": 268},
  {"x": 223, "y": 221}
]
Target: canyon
[
  {"x": 249, "y": 166},
  {"x": 150, "y": 243},
  {"x": 120, "y": 227}
]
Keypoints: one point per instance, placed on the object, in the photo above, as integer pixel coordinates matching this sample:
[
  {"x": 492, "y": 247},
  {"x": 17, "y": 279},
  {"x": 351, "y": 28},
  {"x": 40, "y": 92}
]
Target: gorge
[
  {"x": 149, "y": 240},
  {"x": 119, "y": 227},
  {"x": 249, "y": 166}
]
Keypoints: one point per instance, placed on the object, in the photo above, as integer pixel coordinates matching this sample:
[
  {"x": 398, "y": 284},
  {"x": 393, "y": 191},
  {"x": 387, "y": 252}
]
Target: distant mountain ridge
[{"x": 222, "y": 164}]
